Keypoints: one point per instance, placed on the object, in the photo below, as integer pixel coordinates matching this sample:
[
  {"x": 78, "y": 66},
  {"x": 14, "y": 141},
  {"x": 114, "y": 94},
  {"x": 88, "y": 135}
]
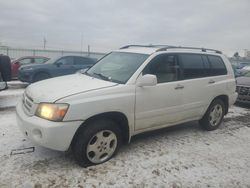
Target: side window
[
  {"x": 66, "y": 60},
  {"x": 217, "y": 66},
  {"x": 25, "y": 61},
  {"x": 206, "y": 64},
  {"x": 192, "y": 66},
  {"x": 165, "y": 67},
  {"x": 40, "y": 60},
  {"x": 82, "y": 61}
]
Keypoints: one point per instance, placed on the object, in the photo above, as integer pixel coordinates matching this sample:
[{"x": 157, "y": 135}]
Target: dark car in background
[
  {"x": 243, "y": 88},
  {"x": 26, "y": 60},
  {"x": 60, "y": 66}
]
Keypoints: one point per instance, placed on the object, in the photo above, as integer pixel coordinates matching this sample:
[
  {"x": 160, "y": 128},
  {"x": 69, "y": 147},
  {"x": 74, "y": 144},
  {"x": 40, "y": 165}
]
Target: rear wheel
[
  {"x": 214, "y": 115},
  {"x": 41, "y": 76},
  {"x": 96, "y": 142}
]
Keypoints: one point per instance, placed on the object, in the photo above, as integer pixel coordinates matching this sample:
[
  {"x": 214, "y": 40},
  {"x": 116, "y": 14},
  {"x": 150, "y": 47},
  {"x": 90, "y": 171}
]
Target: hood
[
  {"x": 243, "y": 81},
  {"x": 54, "y": 89}
]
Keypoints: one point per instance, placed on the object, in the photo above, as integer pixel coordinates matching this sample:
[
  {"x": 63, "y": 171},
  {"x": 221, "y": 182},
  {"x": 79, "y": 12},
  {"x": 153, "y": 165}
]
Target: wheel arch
[
  {"x": 42, "y": 71},
  {"x": 225, "y": 100},
  {"x": 118, "y": 117}
]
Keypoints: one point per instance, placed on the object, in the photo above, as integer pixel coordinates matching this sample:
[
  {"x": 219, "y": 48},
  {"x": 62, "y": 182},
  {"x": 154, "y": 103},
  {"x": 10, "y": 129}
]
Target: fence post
[
  {"x": 88, "y": 50},
  {"x": 7, "y": 51}
]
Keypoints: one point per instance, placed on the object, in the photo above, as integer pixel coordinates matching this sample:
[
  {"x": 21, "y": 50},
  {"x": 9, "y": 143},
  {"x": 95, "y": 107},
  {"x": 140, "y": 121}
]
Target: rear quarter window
[{"x": 217, "y": 65}]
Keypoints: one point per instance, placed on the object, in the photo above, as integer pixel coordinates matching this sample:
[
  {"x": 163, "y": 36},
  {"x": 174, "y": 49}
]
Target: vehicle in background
[
  {"x": 129, "y": 91},
  {"x": 54, "y": 67},
  {"x": 16, "y": 64},
  {"x": 242, "y": 65},
  {"x": 243, "y": 88},
  {"x": 244, "y": 70},
  {"x": 236, "y": 71}
]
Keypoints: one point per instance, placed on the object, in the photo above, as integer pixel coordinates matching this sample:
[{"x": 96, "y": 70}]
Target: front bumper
[
  {"x": 53, "y": 135},
  {"x": 25, "y": 76},
  {"x": 232, "y": 98}
]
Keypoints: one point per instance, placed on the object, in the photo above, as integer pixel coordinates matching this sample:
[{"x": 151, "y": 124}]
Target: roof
[{"x": 149, "y": 49}]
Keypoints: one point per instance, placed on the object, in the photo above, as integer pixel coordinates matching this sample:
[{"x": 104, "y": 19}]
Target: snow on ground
[
  {"x": 181, "y": 156},
  {"x": 9, "y": 97},
  {"x": 17, "y": 84}
]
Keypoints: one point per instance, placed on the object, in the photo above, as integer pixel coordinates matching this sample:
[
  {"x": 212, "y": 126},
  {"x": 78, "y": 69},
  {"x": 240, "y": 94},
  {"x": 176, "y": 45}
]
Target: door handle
[
  {"x": 211, "y": 82},
  {"x": 179, "y": 86}
]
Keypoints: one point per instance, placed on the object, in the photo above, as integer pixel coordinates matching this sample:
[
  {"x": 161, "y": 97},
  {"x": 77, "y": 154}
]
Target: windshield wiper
[{"x": 102, "y": 76}]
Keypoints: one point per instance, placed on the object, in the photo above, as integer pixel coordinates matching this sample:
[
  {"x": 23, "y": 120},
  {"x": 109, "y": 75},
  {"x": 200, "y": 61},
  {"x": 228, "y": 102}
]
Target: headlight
[{"x": 52, "y": 112}]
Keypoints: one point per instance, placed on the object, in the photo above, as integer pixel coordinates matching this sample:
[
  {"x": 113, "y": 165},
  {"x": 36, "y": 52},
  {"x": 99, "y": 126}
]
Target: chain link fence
[{"x": 15, "y": 53}]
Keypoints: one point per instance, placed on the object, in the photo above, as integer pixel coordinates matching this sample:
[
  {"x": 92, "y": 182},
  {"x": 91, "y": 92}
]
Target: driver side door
[{"x": 64, "y": 66}]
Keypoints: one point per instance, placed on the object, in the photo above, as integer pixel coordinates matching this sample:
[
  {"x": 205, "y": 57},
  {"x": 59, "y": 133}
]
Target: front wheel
[
  {"x": 214, "y": 115},
  {"x": 96, "y": 142}
]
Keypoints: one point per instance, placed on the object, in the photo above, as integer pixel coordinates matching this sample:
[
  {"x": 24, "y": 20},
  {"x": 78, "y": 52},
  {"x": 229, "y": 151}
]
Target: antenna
[{"x": 44, "y": 43}]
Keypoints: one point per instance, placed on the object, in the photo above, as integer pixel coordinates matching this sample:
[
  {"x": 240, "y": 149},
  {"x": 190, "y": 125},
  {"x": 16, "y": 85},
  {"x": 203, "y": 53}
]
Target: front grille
[
  {"x": 28, "y": 104},
  {"x": 243, "y": 90}
]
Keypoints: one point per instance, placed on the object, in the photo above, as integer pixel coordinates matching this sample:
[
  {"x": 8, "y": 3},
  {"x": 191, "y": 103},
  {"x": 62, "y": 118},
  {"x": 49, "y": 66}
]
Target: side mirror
[
  {"x": 147, "y": 80},
  {"x": 58, "y": 64},
  {"x": 17, "y": 63}
]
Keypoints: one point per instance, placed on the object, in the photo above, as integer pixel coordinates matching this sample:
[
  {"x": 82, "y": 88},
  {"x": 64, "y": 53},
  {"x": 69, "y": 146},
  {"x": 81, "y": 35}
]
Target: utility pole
[
  {"x": 44, "y": 43},
  {"x": 81, "y": 42},
  {"x": 245, "y": 52},
  {"x": 88, "y": 50}
]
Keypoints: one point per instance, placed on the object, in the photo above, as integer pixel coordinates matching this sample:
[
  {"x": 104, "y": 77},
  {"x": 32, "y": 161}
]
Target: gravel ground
[{"x": 181, "y": 156}]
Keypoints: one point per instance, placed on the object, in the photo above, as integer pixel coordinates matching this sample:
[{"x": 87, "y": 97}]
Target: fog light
[{"x": 37, "y": 134}]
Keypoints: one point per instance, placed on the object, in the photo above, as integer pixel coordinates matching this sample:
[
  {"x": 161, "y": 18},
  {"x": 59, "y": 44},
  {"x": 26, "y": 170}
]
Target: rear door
[
  {"x": 195, "y": 82},
  {"x": 218, "y": 78},
  {"x": 63, "y": 66}
]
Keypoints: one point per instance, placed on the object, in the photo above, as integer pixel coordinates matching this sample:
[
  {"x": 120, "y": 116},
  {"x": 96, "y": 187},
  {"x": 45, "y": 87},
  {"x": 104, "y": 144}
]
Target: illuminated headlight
[{"x": 52, "y": 112}]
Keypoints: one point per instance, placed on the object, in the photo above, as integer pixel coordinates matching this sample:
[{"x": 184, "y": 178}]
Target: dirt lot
[{"x": 182, "y": 156}]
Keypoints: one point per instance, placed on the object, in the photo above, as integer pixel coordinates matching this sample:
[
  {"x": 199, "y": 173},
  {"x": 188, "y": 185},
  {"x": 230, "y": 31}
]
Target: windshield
[{"x": 117, "y": 66}]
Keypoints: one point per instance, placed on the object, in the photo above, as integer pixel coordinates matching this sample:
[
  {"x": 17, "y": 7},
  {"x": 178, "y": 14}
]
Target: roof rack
[
  {"x": 166, "y": 47},
  {"x": 190, "y": 48},
  {"x": 146, "y": 46}
]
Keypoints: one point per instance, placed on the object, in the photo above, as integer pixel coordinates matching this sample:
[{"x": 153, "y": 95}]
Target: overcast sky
[{"x": 110, "y": 24}]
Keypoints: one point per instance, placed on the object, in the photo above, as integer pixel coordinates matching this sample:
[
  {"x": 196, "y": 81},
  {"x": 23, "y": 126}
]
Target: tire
[
  {"x": 89, "y": 150},
  {"x": 40, "y": 76},
  {"x": 213, "y": 116}
]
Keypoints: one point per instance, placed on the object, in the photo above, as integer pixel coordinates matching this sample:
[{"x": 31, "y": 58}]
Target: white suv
[{"x": 129, "y": 91}]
